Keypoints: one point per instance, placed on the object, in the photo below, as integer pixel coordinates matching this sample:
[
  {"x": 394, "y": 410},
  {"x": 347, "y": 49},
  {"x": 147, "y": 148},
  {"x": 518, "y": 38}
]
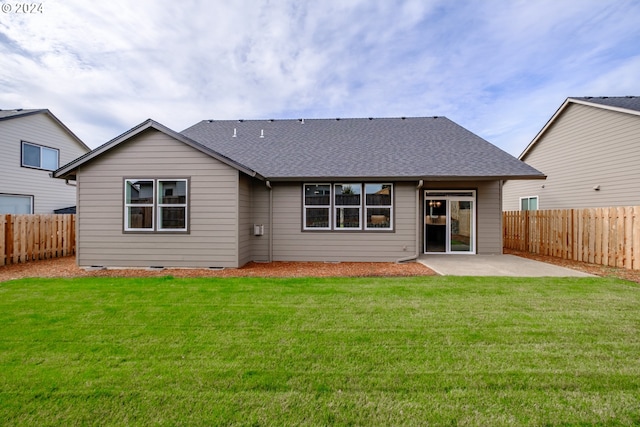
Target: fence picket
[
  {"x": 606, "y": 236},
  {"x": 26, "y": 238}
]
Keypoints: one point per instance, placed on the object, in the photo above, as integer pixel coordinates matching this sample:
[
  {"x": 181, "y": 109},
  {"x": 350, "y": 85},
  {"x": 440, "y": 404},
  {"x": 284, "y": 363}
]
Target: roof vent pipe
[
  {"x": 235, "y": 132},
  {"x": 261, "y": 133}
]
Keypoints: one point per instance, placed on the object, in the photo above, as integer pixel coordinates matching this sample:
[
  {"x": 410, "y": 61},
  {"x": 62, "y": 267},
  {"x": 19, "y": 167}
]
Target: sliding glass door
[{"x": 449, "y": 221}]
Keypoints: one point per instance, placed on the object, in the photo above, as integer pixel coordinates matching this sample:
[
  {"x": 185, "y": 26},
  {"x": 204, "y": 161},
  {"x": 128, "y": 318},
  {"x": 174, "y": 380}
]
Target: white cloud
[{"x": 498, "y": 68}]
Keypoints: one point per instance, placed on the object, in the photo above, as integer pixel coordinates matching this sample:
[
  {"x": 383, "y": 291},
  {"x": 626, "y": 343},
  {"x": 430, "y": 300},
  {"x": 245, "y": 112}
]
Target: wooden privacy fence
[
  {"x": 605, "y": 236},
  {"x": 25, "y": 238}
]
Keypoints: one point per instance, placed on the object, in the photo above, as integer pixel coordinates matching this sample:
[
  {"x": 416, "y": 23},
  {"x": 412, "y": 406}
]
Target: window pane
[
  {"x": 49, "y": 159},
  {"x": 140, "y": 217},
  {"x": 30, "y": 155},
  {"x": 378, "y": 194},
  {"x": 524, "y": 204},
  {"x": 139, "y": 192},
  {"x": 173, "y": 217},
  {"x": 172, "y": 192},
  {"x": 347, "y": 217},
  {"x": 533, "y": 203},
  {"x": 15, "y": 204},
  {"x": 317, "y": 195},
  {"x": 317, "y": 218},
  {"x": 348, "y": 194},
  {"x": 378, "y": 217}
]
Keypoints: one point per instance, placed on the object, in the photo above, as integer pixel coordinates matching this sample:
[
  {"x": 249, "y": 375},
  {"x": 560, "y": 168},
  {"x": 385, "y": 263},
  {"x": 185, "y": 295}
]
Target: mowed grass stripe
[{"x": 432, "y": 350}]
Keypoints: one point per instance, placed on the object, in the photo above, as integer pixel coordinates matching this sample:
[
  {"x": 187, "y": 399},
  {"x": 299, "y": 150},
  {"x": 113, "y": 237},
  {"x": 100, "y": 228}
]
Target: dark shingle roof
[
  {"x": 627, "y": 102},
  {"x": 9, "y": 114},
  {"x": 425, "y": 147}
]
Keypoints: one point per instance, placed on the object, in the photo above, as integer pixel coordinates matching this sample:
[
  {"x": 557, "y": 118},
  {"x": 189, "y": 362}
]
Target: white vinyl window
[
  {"x": 348, "y": 207},
  {"x": 529, "y": 203},
  {"x": 16, "y": 204},
  {"x": 39, "y": 157},
  {"x": 378, "y": 206},
  {"x": 156, "y": 205},
  {"x": 317, "y": 207}
]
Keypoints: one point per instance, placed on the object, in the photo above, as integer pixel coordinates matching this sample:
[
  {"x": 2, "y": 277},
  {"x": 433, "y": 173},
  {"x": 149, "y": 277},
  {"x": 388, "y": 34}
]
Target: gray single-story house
[{"x": 224, "y": 193}]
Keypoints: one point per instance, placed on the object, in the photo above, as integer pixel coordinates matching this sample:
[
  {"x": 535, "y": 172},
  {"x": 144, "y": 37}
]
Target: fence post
[{"x": 8, "y": 239}]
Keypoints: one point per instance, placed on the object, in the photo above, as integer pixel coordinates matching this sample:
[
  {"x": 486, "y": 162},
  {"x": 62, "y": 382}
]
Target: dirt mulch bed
[
  {"x": 66, "y": 267},
  {"x": 595, "y": 269}
]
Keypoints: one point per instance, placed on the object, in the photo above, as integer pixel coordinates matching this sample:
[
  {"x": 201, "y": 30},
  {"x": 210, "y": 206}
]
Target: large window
[
  {"x": 16, "y": 204},
  {"x": 317, "y": 204},
  {"x": 342, "y": 207},
  {"x": 347, "y": 206},
  {"x": 37, "y": 156},
  {"x": 156, "y": 205},
  {"x": 529, "y": 203},
  {"x": 378, "y": 206}
]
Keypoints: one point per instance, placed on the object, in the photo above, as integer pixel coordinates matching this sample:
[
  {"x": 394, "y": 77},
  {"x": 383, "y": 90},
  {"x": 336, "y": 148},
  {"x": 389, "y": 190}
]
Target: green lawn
[{"x": 406, "y": 351}]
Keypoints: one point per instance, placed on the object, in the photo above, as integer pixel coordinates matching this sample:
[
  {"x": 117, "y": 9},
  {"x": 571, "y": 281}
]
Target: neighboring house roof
[
  {"x": 68, "y": 171},
  {"x": 622, "y": 104},
  {"x": 19, "y": 112},
  {"x": 398, "y": 148}
]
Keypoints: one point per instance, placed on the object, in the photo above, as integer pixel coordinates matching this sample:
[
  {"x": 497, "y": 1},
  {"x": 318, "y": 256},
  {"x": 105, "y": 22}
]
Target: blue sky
[{"x": 500, "y": 68}]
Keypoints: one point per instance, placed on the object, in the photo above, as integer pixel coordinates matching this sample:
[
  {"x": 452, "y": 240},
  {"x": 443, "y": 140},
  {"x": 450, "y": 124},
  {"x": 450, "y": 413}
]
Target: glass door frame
[{"x": 451, "y": 196}]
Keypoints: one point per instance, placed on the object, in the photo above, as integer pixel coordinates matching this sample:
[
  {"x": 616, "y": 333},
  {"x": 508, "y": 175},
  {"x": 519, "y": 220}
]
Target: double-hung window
[
  {"x": 39, "y": 157},
  {"x": 378, "y": 206},
  {"x": 348, "y": 207},
  {"x": 317, "y": 206},
  {"x": 348, "y": 199},
  {"x": 156, "y": 205}
]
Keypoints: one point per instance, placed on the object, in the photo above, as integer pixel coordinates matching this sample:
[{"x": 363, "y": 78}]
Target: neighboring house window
[
  {"x": 156, "y": 205},
  {"x": 16, "y": 204},
  {"x": 529, "y": 203},
  {"x": 342, "y": 207},
  {"x": 37, "y": 156}
]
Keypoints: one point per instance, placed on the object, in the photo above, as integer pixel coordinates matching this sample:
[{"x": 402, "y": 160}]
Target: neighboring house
[
  {"x": 590, "y": 152},
  {"x": 223, "y": 193},
  {"x": 33, "y": 144}
]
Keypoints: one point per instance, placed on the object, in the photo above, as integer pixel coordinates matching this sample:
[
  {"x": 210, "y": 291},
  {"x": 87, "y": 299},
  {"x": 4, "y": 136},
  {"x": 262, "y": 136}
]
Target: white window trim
[
  {"x": 139, "y": 205},
  {"x": 390, "y": 207},
  {"x": 305, "y": 207},
  {"x": 40, "y": 147},
  {"x": 529, "y": 198},
  {"x": 25, "y": 196},
  {"x": 332, "y": 208},
  {"x": 337, "y": 207},
  {"x": 172, "y": 205}
]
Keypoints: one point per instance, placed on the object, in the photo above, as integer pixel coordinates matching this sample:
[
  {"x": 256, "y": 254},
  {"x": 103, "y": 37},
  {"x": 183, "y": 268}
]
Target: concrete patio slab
[{"x": 495, "y": 265}]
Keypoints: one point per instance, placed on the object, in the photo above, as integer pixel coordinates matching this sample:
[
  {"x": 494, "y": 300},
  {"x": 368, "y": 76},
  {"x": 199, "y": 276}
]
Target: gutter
[
  {"x": 268, "y": 184},
  {"x": 417, "y": 253}
]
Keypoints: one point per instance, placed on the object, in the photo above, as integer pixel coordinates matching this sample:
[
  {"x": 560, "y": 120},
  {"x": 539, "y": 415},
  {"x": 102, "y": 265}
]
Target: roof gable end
[
  {"x": 621, "y": 104},
  {"x": 68, "y": 171}
]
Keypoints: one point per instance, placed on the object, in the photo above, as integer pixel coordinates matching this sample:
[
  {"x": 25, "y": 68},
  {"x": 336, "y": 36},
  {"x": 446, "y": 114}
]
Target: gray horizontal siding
[
  {"x": 585, "y": 147},
  {"x": 292, "y": 244},
  {"x": 49, "y": 193},
  {"x": 213, "y": 237}
]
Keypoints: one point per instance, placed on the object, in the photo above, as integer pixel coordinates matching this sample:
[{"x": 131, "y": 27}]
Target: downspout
[
  {"x": 418, "y": 222},
  {"x": 268, "y": 184}
]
